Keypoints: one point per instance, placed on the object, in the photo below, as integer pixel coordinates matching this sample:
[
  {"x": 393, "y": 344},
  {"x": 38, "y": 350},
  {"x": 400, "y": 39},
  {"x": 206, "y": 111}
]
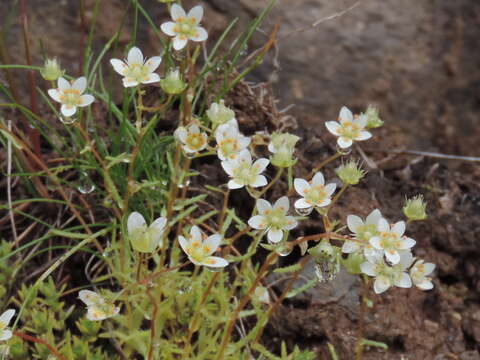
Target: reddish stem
[{"x": 40, "y": 341}]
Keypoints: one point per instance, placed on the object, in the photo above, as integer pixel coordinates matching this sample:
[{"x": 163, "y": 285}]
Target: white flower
[
  {"x": 230, "y": 141},
  {"x": 349, "y": 128},
  {"x": 142, "y": 237},
  {"x": 273, "y": 219},
  {"x": 390, "y": 240},
  {"x": 199, "y": 248},
  {"x": 385, "y": 275},
  {"x": 97, "y": 307},
  {"x": 218, "y": 113},
  {"x": 419, "y": 274},
  {"x": 137, "y": 70},
  {"x": 243, "y": 172},
  {"x": 184, "y": 26},
  {"x": 362, "y": 231},
  {"x": 315, "y": 193},
  {"x": 192, "y": 139},
  {"x": 5, "y": 318},
  {"x": 70, "y": 95}
]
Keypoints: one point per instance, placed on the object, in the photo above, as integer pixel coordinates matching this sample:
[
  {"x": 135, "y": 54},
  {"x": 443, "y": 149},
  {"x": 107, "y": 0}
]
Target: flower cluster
[{"x": 387, "y": 252}]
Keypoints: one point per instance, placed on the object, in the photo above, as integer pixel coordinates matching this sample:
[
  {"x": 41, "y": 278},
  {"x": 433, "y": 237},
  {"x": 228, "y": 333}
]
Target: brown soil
[{"x": 417, "y": 61}]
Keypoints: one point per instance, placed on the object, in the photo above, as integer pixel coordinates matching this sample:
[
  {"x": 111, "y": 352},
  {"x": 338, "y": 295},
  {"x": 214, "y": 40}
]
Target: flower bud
[
  {"x": 51, "y": 71},
  {"x": 373, "y": 119},
  {"x": 324, "y": 250},
  {"x": 415, "y": 208},
  {"x": 350, "y": 173},
  {"x": 261, "y": 295},
  {"x": 282, "y": 146},
  {"x": 172, "y": 83},
  {"x": 219, "y": 114},
  {"x": 352, "y": 263}
]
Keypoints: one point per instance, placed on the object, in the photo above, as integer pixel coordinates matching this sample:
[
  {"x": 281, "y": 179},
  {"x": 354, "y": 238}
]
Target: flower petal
[
  {"x": 68, "y": 110},
  {"x": 168, "y": 28},
  {"x": 80, "y": 84},
  {"x": 5, "y": 334},
  {"x": 129, "y": 82},
  {"x": 135, "y": 56},
  {"x": 135, "y": 221},
  {"x": 404, "y": 281},
  {"x": 368, "y": 268},
  {"x": 259, "y": 180},
  {"x": 211, "y": 244},
  {"x": 429, "y": 268},
  {"x": 353, "y": 222},
  {"x": 263, "y": 206},
  {"x": 184, "y": 244},
  {"x": 232, "y": 184},
  {"x": 153, "y": 63},
  {"x": 333, "y": 127},
  {"x": 215, "y": 261},
  {"x": 330, "y": 188},
  {"x": 177, "y": 12},
  {"x": 382, "y": 225},
  {"x": 373, "y": 217},
  {"x": 291, "y": 223},
  {"x": 363, "y": 135},
  {"x": 90, "y": 297},
  {"x": 376, "y": 242},
  {"x": 179, "y": 42},
  {"x": 399, "y": 228},
  {"x": 228, "y": 166},
  {"x": 200, "y": 34},
  {"x": 195, "y": 234},
  {"x": 7, "y": 316},
  {"x": 181, "y": 134},
  {"x": 393, "y": 256},
  {"x": 196, "y": 13},
  {"x": 63, "y": 84},
  {"x": 55, "y": 95},
  {"x": 257, "y": 222},
  {"x": 425, "y": 284},
  {"x": 344, "y": 142},
  {"x": 345, "y": 114},
  {"x": 300, "y": 186},
  {"x": 119, "y": 66},
  {"x": 275, "y": 236},
  {"x": 151, "y": 78},
  {"x": 86, "y": 100},
  {"x": 381, "y": 285},
  {"x": 318, "y": 179},
  {"x": 350, "y": 247},
  {"x": 260, "y": 165},
  {"x": 282, "y": 203},
  {"x": 407, "y": 243},
  {"x": 302, "y": 204}
]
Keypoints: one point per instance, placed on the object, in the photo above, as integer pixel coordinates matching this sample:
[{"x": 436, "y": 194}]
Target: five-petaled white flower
[
  {"x": 230, "y": 141},
  {"x": 349, "y": 128},
  {"x": 137, "y": 70},
  {"x": 390, "y": 240},
  {"x": 184, "y": 26},
  {"x": 243, "y": 172},
  {"x": 385, "y": 275},
  {"x": 362, "y": 232},
  {"x": 97, "y": 307},
  {"x": 419, "y": 274},
  {"x": 200, "y": 248},
  {"x": 5, "y": 318},
  {"x": 273, "y": 219},
  {"x": 192, "y": 139},
  {"x": 142, "y": 237},
  {"x": 70, "y": 95},
  {"x": 315, "y": 193}
]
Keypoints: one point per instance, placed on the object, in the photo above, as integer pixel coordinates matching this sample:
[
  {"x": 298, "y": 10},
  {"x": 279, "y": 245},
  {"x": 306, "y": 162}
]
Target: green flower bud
[
  {"x": 415, "y": 208},
  {"x": 327, "y": 258},
  {"x": 51, "y": 71},
  {"x": 324, "y": 250},
  {"x": 219, "y": 114},
  {"x": 282, "y": 146},
  {"x": 373, "y": 119},
  {"x": 350, "y": 173},
  {"x": 172, "y": 83}
]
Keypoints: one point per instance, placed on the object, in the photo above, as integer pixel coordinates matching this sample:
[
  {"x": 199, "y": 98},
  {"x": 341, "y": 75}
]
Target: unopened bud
[
  {"x": 373, "y": 119},
  {"x": 51, "y": 71},
  {"x": 282, "y": 146},
  {"x": 172, "y": 83},
  {"x": 350, "y": 173},
  {"x": 219, "y": 114},
  {"x": 415, "y": 208}
]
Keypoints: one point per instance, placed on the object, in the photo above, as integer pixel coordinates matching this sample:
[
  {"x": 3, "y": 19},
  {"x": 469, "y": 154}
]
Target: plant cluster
[{"x": 172, "y": 276}]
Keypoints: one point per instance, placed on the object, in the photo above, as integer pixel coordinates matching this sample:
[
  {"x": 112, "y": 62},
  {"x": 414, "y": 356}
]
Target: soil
[{"x": 418, "y": 62}]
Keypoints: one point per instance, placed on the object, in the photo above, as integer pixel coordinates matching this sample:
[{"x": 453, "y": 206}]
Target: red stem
[{"x": 40, "y": 341}]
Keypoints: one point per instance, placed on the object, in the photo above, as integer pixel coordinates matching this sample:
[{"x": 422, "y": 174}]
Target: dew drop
[
  {"x": 67, "y": 120},
  {"x": 85, "y": 186},
  {"x": 344, "y": 151},
  {"x": 304, "y": 212},
  {"x": 214, "y": 269},
  {"x": 284, "y": 250}
]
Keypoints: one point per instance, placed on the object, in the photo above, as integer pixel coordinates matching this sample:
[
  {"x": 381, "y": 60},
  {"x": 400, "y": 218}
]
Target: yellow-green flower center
[
  {"x": 315, "y": 194},
  {"x": 229, "y": 147},
  {"x": 195, "y": 141},
  {"x": 349, "y": 130},
  {"x": 276, "y": 219},
  {"x": 186, "y": 27},
  {"x": 137, "y": 72},
  {"x": 71, "y": 97},
  {"x": 244, "y": 173}
]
